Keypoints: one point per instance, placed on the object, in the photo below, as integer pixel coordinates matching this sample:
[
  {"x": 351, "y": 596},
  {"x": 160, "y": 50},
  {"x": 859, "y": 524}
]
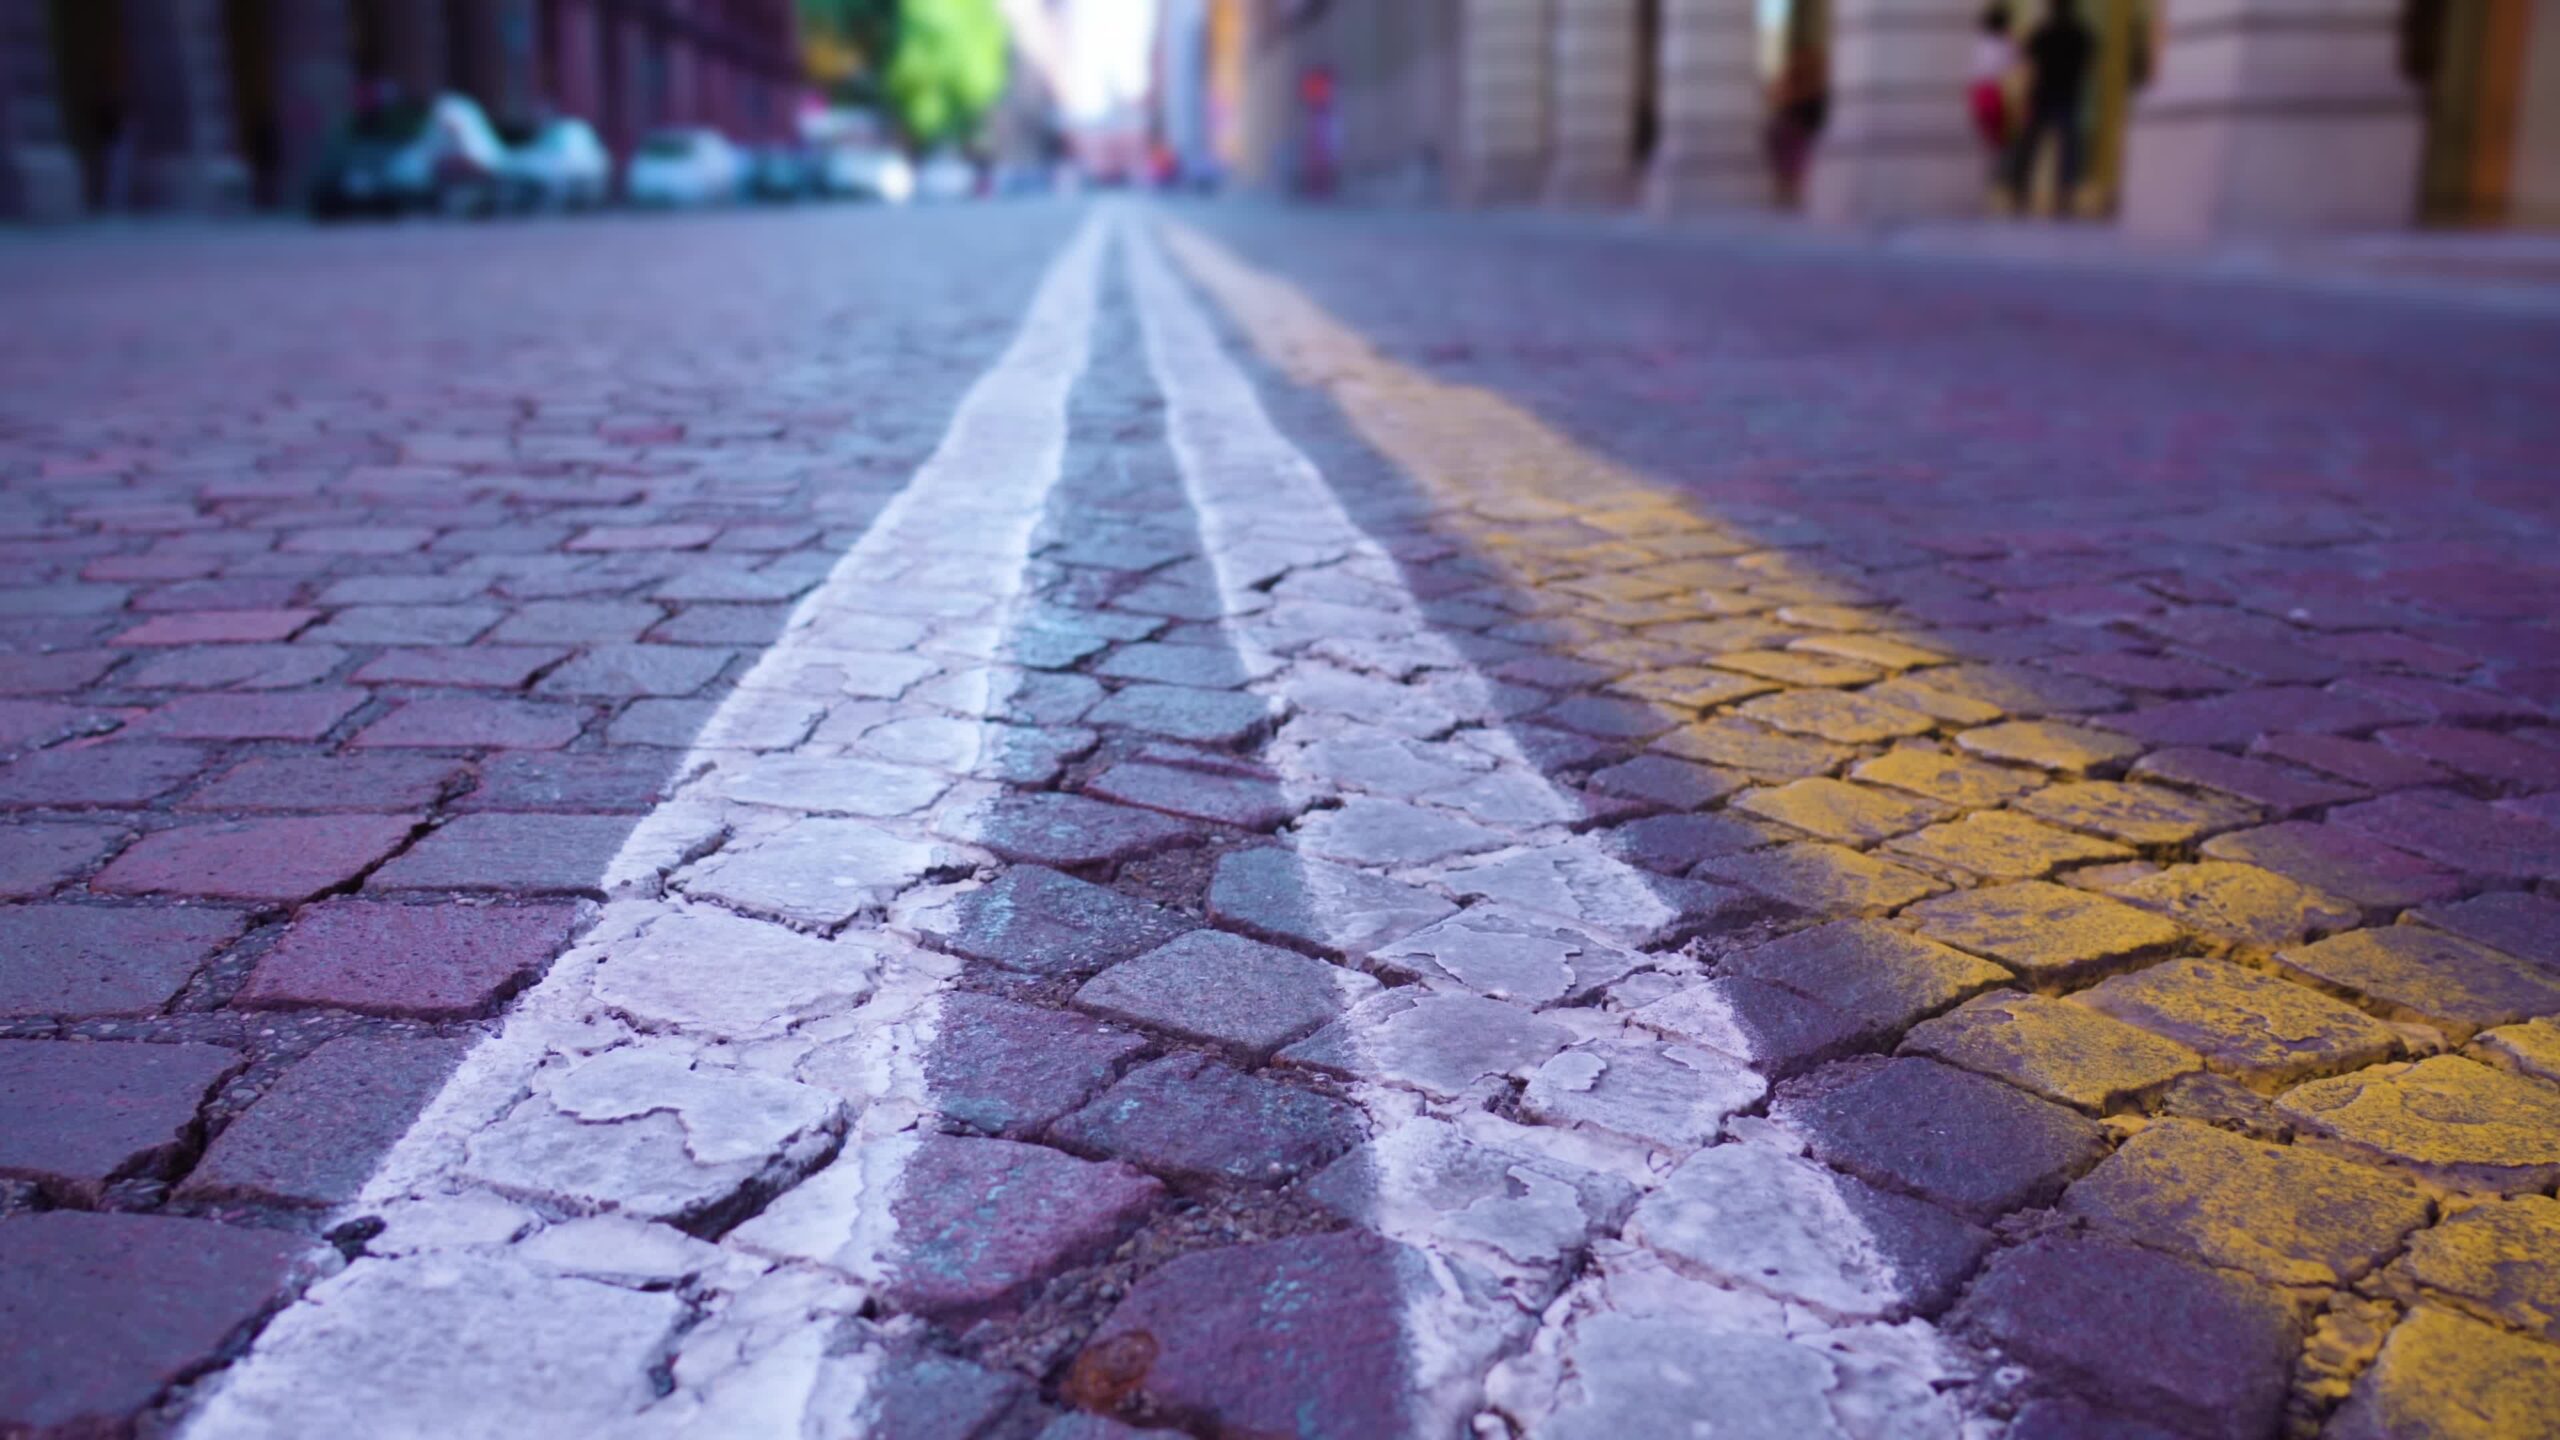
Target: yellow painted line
[
  {"x": 1507, "y": 470},
  {"x": 1625, "y": 570}
]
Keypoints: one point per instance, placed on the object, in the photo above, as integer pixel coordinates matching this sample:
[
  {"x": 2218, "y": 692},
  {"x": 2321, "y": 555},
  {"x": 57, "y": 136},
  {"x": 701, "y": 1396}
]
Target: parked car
[
  {"x": 1020, "y": 179},
  {"x": 410, "y": 155},
  {"x": 869, "y": 172},
  {"x": 556, "y": 164},
  {"x": 946, "y": 176},
  {"x": 691, "y": 166},
  {"x": 782, "y": 172}
]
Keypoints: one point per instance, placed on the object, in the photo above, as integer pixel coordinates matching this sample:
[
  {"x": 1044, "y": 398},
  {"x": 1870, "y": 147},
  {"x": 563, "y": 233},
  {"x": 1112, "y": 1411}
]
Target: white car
[
  {"x": 556, "y": 165},
  {"x": 946, "y": 177},
  {"x": 868, "y": 172},
  {"x": 695, "y": 166},
  {"x": 438, "y": 155}
]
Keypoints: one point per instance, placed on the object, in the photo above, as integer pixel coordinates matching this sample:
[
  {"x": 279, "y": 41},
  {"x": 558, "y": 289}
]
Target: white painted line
[
  {"x": 632, "y": 1086},
  {"x": 1266, "y": 511}
]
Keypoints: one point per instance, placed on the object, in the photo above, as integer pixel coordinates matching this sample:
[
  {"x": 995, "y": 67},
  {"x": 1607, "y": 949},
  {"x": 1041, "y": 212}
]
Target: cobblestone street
[{"x": 1009, "y": 821}]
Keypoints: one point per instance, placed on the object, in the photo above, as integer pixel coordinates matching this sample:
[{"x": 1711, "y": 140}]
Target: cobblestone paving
[
  {"x": 361, "y": 593},
  {"x": 1404, "y": 827},
  {"x": 2147, "y": 711}
]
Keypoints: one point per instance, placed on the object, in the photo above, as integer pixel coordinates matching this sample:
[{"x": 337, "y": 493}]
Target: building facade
[
  {"x": 2198, "y": 117},
  {"x": 144, "y": 105}
]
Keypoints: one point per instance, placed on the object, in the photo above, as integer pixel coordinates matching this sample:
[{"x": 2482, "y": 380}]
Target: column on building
[
  {"x": 631, "y": 90},
  {"x": 682, "y": 98},
  {"x": 729, "y": 83},
  {"x": 183, "y": 155},
  {"x": 1592, "y": 90},
  {"x": 1268, "y": 102},
  {"x": 1712, "y": 107},
  {"x": 575, "y": 60},
  {"x": 502, "y": 56},
  {"x": 751, "y": 102},
  {"x": 313, "y": 72},
  {"x": 718, "y": 79},
  {"x": 2533, "y": 187},
  {"x": 1898, "y": 144},
  {"x": 39, "y": 173},
  {"x": 1182, "y": 70},
  {"x": 1387, "y": 118},
  {"x": 2271, "y": 115},
  {"x": 1501, "y": 140},
  {"x": 707, "y": 64},
  {"x": 415, "y": 50},
  {"x": 1421, "y": 40}
]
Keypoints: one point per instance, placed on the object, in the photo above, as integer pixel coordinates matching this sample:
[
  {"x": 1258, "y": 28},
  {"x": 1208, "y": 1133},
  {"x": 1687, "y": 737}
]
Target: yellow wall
[{"x": 2534, "y": 184}]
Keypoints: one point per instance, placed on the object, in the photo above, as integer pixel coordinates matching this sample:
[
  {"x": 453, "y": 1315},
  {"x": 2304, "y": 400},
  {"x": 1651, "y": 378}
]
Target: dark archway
[
  {"x": 2467, "y": 61},
  {"x": 249, "y": 44},
  {"x": 93, "y": 83},
  {"x": 1647, "y": 130}
]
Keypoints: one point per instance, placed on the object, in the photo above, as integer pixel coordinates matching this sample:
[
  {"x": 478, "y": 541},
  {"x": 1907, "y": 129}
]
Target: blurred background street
[
  {"x": 1076, "y": 718},
  {"x": 2230, "y": 120}
]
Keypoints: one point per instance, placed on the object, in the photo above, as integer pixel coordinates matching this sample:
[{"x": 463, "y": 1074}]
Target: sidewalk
[
  {"x": 2507, "y": 270},
  {"x": 2515, "y": 267}
]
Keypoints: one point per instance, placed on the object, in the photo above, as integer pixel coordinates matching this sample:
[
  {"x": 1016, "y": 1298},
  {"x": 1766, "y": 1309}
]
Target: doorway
[
  {"x": 2468, "y": 62},
  {"x": 93, "y": 79},
  {"x": 249, "y": 43},
  {"x": 1646, "y": 132}
]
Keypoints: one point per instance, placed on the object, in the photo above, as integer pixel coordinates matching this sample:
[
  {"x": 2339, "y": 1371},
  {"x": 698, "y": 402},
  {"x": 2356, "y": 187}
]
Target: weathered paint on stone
[
  {"x": 2254, "y": 1027},
  {"x": 2287, "y": 1214},
  {"x": 2414, "y": 973},
  {"x": 2445, "y": 1117},
  {"x": 1997, "y": 845},
  {"x": 2500, "y": 1261},
  {"x": 2442, "y": 1376},
  {"x": 2240, "y": 904},
  {"x": 2054, "y": 1048},
  {"x": 1755, "y": 1217},
  {"x": 2049, "y": 934}
]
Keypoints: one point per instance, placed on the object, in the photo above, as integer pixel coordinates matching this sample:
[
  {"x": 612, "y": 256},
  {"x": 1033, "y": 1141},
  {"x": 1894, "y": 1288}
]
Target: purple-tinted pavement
[{"x": 361, "y": 593}]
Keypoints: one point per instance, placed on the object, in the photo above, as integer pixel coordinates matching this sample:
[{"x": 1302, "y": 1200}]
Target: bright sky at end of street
[{"x": 1109, "y": 48}]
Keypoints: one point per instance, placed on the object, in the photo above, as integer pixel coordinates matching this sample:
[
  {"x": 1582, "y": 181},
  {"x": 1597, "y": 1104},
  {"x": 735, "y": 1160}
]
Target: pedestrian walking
[
  {"x": 2061, "y": 51},
  {"x": 1801, "y": 102},
  {"x": 1995, "y": 54}
]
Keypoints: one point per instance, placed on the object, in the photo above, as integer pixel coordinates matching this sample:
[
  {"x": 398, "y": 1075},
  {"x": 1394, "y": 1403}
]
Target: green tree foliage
[
  {"x": 845, "y": 45},
  {"x": 947, "y": 68},
  {"x": 937, "y": 65}
]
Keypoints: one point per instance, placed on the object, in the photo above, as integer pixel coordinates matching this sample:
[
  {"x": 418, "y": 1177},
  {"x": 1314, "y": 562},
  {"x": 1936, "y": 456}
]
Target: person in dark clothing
[
  {"x": 1800, "y": 103},
  {"x": 2061, "y": 52}
]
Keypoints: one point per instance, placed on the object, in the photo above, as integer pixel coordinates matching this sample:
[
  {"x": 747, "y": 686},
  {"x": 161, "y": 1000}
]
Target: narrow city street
[{"x": 1078, "y": 819}]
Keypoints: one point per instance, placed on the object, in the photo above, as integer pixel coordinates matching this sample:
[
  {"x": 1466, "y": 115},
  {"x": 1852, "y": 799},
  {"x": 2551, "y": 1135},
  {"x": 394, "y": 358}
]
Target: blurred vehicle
[
  {"x": 409, "y": 155},
  {"x": 782, "y": 172},
  {"x": 555, "y": 164},
  {"x": 869, "y": 172},
  {"x": 691, "y": 166},
  {"x": 1023, "y": 180},
  {"x": 946, "y": 176}
]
